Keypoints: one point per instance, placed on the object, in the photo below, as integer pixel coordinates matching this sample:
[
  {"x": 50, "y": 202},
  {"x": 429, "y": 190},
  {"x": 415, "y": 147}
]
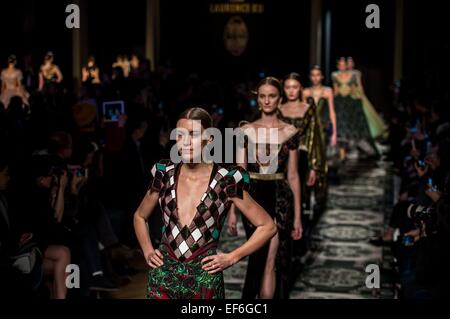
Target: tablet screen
[{"x": 113, "y": 110}]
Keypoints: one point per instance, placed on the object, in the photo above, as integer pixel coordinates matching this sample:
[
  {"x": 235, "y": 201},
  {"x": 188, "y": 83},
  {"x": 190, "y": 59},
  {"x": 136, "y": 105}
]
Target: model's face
[
  {"x": 189, "y": 140},
  {"x": 268, "y": 98},
  {"x": 342, "y": 65},
  {"x": 4, "y": 179},
  {"x": 350, "y": 64},
  {"x": 315, "y": 77},
  {"x": 292, "y": 89}
]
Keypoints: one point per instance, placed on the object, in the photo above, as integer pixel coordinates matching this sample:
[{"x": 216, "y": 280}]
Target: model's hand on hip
[{"x": 215, "y": 263}]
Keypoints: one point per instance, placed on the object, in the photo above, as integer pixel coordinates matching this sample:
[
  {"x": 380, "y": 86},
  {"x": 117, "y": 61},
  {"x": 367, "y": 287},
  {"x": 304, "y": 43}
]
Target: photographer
[
  {"x": 133, "y": 177},
  {"x": 420, "y": 215},
  {"x": 412, "y": 190},
  {"x": 44, "y": 206},
  {"x": 432, "y": 235},
  {"x": 14, "y": 281},
  {"x": 88, "y": 220}
]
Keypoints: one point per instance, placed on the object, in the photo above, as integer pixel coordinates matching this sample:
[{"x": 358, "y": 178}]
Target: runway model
[
  {"x": 276, "y": 187},
  {"x": 195, "y": 198}
]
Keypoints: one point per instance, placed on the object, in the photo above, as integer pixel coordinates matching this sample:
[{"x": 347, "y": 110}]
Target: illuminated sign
[{"x": 237, "y": 8}]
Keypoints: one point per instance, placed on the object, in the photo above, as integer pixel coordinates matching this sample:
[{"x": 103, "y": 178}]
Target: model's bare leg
[{"x": 268, "y": 283}]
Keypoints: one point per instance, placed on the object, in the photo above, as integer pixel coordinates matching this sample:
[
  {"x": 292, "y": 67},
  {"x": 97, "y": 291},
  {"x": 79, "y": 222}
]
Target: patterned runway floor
[{"x": 336, "y": 265}]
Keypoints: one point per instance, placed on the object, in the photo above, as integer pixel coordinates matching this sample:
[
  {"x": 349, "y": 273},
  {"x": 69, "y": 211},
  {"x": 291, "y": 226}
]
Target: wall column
[
  {"x": 315, "y": 45},
  {"x": 398, "y": 44},
  {"x": 80, "y": 48},
  {"x": 152, "y": 32}
]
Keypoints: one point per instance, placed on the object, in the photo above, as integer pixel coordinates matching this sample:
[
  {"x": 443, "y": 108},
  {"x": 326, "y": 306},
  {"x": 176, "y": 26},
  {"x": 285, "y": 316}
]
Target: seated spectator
[
  {"x": 93, "y": 230},
  {"x": 45, "y": 208},
  {"x": 15, "y": 283},
  {"x": 421, "y": 215}
]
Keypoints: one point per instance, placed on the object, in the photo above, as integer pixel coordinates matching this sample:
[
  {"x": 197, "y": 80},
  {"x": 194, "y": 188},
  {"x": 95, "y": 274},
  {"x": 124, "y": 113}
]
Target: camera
[
  {"x": 431, "y": 187},
  {"x": 423, "y": 215},
  {"x": 421, "y": 163},
  {"x": 57, "y": 171},
  {"x": 78, "y": 171},
  {"x": 407, "y": 240}
]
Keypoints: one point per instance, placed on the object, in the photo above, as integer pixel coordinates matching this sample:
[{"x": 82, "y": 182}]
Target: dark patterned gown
[
  {"x": 352, "y": 125},
  {"x": 183, "y": 248},
  {"x": 312, "y": 156},
  {"x": 323, "y": 120},
  {"x": 312, "y": 141},
  {"x": 316, "y": 142},
  {"x": 273, "y": 193}
]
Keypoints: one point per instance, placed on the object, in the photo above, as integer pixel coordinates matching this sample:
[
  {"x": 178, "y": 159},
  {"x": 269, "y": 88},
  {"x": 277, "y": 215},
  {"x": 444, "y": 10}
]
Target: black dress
[{"x": 273, "y": 193}]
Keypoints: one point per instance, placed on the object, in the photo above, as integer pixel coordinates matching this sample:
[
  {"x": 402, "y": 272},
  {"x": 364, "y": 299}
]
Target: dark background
[{"x": 191, "y": 38}]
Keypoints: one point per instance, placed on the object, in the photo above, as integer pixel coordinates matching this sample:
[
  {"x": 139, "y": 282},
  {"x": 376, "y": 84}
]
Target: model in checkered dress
[{"x": 195, "y": 200}]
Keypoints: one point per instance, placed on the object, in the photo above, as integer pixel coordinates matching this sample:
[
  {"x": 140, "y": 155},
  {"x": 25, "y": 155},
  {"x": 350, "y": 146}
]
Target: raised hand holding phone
[{"x": 421, "y": 170}]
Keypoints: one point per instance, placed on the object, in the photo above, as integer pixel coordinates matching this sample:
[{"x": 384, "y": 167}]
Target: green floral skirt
[{"x": 184, "y": 280}]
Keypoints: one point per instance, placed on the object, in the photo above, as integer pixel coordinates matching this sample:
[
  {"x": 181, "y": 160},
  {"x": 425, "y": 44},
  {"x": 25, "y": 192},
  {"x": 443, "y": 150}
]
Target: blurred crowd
[
  {"x": 418, "y": 230},
  {"x": 71, "y": 179}
]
